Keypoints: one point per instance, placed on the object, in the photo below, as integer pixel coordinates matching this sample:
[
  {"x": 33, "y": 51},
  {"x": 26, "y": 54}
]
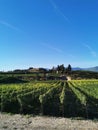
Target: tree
[
  {"x": 60, "y": 68},
  {"x": 53, "y": 70},
  {"x": 69, "y": 69}
]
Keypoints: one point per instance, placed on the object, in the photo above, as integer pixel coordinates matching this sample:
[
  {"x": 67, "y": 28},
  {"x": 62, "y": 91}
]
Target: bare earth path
[{"x": 20, "y": 122}]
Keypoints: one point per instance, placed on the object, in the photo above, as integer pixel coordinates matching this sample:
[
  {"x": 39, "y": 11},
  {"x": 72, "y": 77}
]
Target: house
[{"x": 68, "y": 78}]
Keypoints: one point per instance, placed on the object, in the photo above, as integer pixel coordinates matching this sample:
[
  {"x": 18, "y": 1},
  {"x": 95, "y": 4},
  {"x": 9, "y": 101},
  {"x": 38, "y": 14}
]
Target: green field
[{"x": 76, "y": 98}]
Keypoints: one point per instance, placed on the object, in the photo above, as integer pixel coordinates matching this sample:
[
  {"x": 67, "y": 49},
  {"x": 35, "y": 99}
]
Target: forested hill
[
  {"x": 80, "y": 74},
  {"x": 45, "y": 75}
]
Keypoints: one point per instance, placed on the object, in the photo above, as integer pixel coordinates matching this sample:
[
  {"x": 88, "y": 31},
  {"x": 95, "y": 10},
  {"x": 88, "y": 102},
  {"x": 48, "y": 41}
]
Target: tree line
[{"x": 61, "y": 69}]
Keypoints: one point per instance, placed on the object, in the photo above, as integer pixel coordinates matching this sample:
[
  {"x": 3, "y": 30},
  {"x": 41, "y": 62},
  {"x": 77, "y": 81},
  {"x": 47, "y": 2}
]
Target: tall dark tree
[
  {"x": 58, "y": 68},
  {"x": 61, "y": 68},
  {"x": 53, "y": 70},
  {"x": 69, "y": 69}
]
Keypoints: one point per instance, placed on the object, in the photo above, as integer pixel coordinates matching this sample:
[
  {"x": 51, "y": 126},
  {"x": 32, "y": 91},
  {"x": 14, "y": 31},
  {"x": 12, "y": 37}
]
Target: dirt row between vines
[{"x": 20, "y": 122}]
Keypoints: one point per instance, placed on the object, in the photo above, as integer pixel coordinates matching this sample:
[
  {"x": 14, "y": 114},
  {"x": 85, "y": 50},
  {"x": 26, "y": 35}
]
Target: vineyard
[{"x": 76, "y": 98}]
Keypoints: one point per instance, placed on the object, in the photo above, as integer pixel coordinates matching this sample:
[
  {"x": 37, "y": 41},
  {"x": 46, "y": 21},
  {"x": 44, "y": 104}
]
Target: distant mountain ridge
[
  {"x": 94, "y": 69},
  {"x": 77, "y": 68}
]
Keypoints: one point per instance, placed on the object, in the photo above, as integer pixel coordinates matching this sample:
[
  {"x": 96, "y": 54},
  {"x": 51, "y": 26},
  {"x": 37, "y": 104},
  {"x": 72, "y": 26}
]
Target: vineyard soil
[{"x": 20, "y": 122}]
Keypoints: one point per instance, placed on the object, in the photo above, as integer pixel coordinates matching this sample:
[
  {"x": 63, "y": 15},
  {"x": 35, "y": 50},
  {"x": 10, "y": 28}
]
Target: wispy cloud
[
  {"x": 9, "y": 25},
  {"x": 52, "y": 47},
  {"x": 93, "y": 53},
  {"x": 72, "y": 56},
  {"x": 58, "y": 10}
]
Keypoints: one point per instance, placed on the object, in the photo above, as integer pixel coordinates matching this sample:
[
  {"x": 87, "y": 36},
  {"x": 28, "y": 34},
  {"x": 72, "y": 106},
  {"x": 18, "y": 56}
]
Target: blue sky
[{"x": 45, "y": 33}]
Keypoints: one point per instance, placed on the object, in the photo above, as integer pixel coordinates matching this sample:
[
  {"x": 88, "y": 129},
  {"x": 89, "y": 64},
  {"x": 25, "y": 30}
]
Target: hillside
[
  {"x": 93, "y": 69},
  {"x": 80, "y": 74}
]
